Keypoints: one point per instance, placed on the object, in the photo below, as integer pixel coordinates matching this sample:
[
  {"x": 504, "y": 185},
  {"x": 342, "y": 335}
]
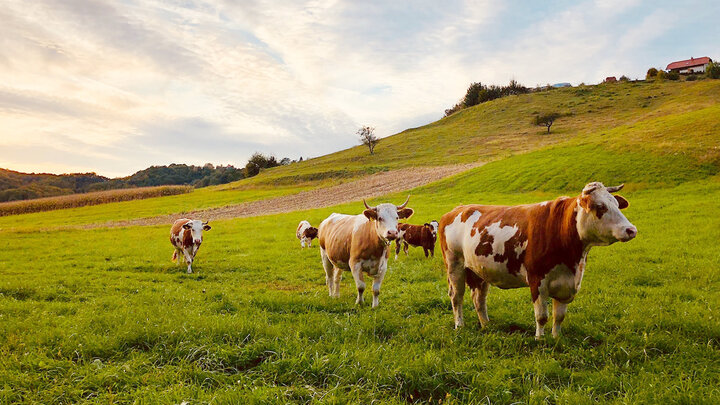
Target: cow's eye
[{"x": 600, "y": 206}]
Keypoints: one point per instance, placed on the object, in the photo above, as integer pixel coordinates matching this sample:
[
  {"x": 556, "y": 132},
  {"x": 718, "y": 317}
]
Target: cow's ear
[
  {"x": 622, "y": 202},
  {"x": 187, "y": 225},
  {"x": 405, "y": 213},
  {"x": 206, "y": 227},
  {"x": 370, "y": 213}
]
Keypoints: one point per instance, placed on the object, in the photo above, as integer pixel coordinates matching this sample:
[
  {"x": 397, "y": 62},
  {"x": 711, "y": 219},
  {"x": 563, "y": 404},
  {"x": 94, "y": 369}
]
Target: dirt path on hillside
[{"x": 372, "y": 186}]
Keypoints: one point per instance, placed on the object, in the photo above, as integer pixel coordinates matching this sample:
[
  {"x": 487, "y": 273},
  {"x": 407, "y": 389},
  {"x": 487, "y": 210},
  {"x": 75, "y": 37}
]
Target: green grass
[{"x": 102, "y": 315}]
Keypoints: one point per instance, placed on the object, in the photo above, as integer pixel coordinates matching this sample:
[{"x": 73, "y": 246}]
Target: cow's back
[{"x": 178, "y": 236}]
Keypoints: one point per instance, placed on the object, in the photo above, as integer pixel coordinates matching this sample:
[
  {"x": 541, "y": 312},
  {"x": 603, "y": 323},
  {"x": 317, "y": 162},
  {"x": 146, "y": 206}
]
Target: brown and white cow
[
  {"x": 417, "y": 235},
  {"x": 359, "y": 243},
  {"x": 186, "y": 235},
  {"x": 306, "y": 233},
  {"x": 543, "y": 246}
]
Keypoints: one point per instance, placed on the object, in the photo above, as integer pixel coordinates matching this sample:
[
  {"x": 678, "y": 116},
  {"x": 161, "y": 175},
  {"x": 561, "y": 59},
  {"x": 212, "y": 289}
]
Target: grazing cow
[
  {"x": 417, "y": 235},
  {"x": 543, "y": 246},
  {"x": 306, "y": 233},
  {"x": 359, "y": 243},
  {"x": 186, "y": 236}
]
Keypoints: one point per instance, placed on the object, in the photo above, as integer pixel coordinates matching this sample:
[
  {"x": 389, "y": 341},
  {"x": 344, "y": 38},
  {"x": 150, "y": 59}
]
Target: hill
[{"x": 23, "y": 186}]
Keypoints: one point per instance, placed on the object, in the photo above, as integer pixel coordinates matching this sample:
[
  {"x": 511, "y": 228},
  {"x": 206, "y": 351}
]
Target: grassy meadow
[{"x": 103, "y": 316}]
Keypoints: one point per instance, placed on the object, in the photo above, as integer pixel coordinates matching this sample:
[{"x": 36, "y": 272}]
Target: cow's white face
[
  {"x": 196, "y": 228},
  {"x": 599, "y": 220},
  {"x": 385, "y": 218},
  {"x": 434, "y": 224}
]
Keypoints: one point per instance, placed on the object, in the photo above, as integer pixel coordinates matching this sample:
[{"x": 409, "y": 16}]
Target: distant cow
[
  {"x": 417, "y": 235},
  {"x": 306, "y": 233},
  {"x": 359, "y": 243},
  {"x": 543, "y": 246},
  {"x": 186, "y": 236}
]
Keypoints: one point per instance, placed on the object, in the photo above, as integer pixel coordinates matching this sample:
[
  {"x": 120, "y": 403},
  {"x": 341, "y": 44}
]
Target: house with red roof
[{"x": 692, "y": 65}]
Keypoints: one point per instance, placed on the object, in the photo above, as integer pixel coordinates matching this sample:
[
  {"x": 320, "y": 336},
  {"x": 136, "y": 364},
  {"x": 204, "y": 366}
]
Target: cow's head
[
  {"x": 196, "y": 228},
  {"x": 385, "y": 218},
  {"x": 434, "y": 225},
  {"x": 599, "y": 220}
]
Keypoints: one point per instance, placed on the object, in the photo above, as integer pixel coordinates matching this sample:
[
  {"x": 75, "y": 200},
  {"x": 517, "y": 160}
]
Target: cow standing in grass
[
  {"x": 186, "y": 235},
  {"x": 417, "y": 235},
  {"x": 359, "y": 243},
  {"x": 306, "y": 233},
  {"x": 543, "y": 246}
]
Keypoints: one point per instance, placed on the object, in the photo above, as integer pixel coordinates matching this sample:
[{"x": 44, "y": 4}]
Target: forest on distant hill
[{"x": 22, "y": 186}]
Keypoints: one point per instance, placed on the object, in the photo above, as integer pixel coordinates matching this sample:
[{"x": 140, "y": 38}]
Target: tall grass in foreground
[{"x": 95, "y": 198}]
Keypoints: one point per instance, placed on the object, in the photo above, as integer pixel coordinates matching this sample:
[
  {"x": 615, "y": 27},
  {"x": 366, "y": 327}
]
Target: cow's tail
[{"x": 174, "y": 257}]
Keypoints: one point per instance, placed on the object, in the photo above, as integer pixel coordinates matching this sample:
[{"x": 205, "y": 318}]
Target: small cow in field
[
  {"x": 360, "y": 243},
  {"x": 543, "y": 246},
  {"x": 417, "y": 235},
  {"x": 186, "y": 236},
  {"x": 306, "y": 233}
]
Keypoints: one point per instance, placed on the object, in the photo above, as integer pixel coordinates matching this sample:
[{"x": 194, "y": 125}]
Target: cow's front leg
[
  {"x": 426, "y": 251},
  {"x": 456, "y": 286},
  {"x": 405, "y": 247},
  {"x": 397, "y": 248},
  {"x": 377, "y": 282},
  {"x": 356, "y": 269},
  {"x": 188, "y": 260},
  {"x": 559, "y": 309},
  {"x": 541, "y": 313}
]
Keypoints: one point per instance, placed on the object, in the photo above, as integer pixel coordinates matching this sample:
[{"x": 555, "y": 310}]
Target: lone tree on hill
[
  {"x": 546, "y": 119},
  {"x": 368, "y": 138}
]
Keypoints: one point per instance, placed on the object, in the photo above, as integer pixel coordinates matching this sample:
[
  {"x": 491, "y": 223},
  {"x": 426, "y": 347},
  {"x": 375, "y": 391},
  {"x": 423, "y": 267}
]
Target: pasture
[{"x": 103, "y": 316}]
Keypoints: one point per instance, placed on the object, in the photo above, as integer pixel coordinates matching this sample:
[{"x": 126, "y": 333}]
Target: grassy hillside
[{"x": 502, "y": 127}]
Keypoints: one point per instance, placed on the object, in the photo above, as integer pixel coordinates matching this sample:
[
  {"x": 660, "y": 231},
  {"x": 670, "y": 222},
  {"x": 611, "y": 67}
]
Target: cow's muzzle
[{"x": 629, "y": 233}]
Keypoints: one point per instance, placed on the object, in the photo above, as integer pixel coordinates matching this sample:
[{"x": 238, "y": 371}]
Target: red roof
[{"x": 689, "y": 63}]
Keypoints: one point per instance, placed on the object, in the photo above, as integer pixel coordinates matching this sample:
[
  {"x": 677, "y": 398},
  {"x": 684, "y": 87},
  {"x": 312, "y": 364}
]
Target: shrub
[
  {"x": 651, "y": 73},
  {"x": 691, "y": 78},
  {"x": 624, "y": 78},
  {"x": 672, "y": 75},
  {"x": 713, "y": 70},
  {"x": 661, "y": 75}
]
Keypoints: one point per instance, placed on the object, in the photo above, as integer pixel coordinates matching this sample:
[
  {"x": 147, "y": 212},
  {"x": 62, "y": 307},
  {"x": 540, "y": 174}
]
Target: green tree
[
  {"x": 651, "y": 73},
  {"x": 546, "y": 119},
  {"x": 713, "y": 70}
]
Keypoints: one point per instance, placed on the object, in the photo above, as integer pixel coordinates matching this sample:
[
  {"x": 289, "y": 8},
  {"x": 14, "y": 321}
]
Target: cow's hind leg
[
  {"x": 329, "y": 271},
  {"x": 456, "y": 281},
  {"x": 478, "y": 291},
  {"x": 337, "y": 278},
  {"x": 559, "y": 309},
  {"x": 397, "y": 248},
  {"x": 356, "y": 269},
  {"x": 405, "y": 247}
]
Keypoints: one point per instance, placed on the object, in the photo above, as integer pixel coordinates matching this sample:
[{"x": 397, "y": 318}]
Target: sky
[{"x": 113, "y": 87}]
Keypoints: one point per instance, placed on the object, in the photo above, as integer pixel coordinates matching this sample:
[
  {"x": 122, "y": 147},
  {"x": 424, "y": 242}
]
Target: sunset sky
[{"x": 116, "y": 86}]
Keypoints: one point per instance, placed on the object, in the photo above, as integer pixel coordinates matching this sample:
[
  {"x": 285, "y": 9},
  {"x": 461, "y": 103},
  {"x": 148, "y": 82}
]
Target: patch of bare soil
[{"x": 372, "y": 186}]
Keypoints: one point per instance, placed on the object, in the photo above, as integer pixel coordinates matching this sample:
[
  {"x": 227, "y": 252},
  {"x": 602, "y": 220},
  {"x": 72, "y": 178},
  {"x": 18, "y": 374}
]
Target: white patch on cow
[
  {"x": 334, "y": 217},
  {"x": 520, "y": 248},
  {"x": 560, "y": 283},
  {"x": 302, "y": 226},
  {"x": 500, "y": 234},
  {"x": 544, "y": 203},
  {"x": 457, "y": 231},
  {"x": 360, "y": 220}
]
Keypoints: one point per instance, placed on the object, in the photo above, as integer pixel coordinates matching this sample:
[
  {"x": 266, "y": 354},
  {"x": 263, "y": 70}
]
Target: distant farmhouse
[
  {"x": 557, "y": 85},
  {"x": 692, "y": 65},
  {"x": 610, "y": 79}
]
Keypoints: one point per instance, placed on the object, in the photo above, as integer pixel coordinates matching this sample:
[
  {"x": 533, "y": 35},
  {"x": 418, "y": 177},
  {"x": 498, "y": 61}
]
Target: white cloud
[{"x": 115, "y": 87}]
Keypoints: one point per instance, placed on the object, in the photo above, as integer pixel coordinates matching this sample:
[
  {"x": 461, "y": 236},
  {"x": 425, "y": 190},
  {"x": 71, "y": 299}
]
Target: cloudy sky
[{"x": 116, "y": 86}]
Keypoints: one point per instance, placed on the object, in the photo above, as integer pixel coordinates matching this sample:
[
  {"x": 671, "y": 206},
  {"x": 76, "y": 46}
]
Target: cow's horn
[
  {"x": 615, "y": 189},
  {"x": 367, "y": 206},
  {"x": 401, "y": 206}
]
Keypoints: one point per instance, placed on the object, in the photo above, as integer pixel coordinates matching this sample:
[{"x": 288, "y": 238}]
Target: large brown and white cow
[
  {"x": 186, "y": 235},
  {"x": 417, "y": 235},
  {"x": 543, "y": 246},
  {"x": 359, "y": 243},
  {"x": 306, "y": 233}
]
